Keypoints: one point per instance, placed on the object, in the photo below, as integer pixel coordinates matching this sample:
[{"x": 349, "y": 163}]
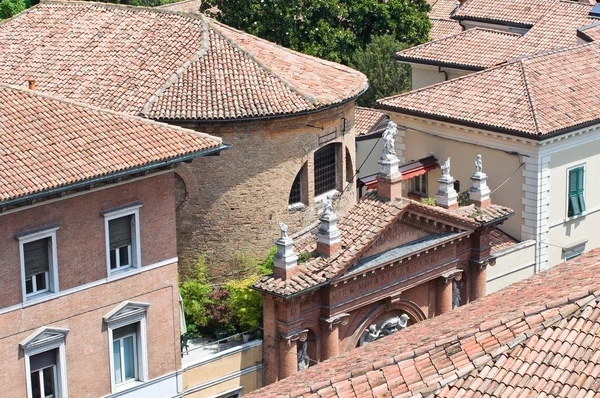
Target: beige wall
[
  {"x": 498, "y": 165},
  {"x": 196, "y": 375},
  {"x": 566, "y": 232},
  {"x": 512, "y": 265},
  {"x": 363, "y": 148},
  {"x": 426, "y": 75}
]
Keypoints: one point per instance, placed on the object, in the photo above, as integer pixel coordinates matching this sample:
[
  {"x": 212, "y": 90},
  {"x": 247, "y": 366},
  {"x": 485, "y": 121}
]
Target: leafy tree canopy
[
  {"x": 8, "y": 8},
  {"x": 386, "y": 76},
  {"x": 330, "y": 29}
]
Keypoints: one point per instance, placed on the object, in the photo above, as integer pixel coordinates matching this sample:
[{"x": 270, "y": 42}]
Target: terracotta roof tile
[
  {"x": 441, "y": 28},
  {"x": 49, "y": 143},
  {"x": 190, "y": 6},
  {"x": 530, "y": 96},
  {"x": 590, "y": 32},
  {"x": 520, "y": 12},
  {"x": 366, "y": 120},
  {"x": 501, "y": 240},
  {"x": 164, "y": 64},
  {"x": 510, "y": 354},
  {"x": 442, "y": 9}
]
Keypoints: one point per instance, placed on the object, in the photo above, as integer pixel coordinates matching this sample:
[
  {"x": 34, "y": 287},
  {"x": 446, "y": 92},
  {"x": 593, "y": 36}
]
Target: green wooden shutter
[
  {"x": 37, "y": 257},
  {"x": 573, "y": 199},
  {"x": 580, "y": 186}
]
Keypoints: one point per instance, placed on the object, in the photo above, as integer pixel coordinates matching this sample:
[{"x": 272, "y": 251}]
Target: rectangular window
[
  {"x": 37, "y": 259},
  {"x": 125, "y": 359},
  {"x": 325, "y": 169},
  {"x": 418, "y": 185},
  {"x": 120, "y": 242},
  {"x": 44, "y": 374},
  {"x": 576, "y": 200}
]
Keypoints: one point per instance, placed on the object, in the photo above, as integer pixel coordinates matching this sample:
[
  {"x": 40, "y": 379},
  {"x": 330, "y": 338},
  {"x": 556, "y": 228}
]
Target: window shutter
[
  {"x": 37, "y": 257},
  {"x": 573, "y": 181},
  {"x": 43, "y": 360},
  {"x": 580, "y": 184},
  {"x": 119, "y": 232}
]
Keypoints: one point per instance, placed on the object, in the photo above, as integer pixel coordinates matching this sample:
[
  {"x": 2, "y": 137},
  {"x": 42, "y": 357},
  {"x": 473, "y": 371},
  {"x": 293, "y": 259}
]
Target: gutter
[
  {"x": 118, "y": 174},
  {"x": 460, "y": 18},
  {"x": 453, "y": 65},
  {"x": 259, "y": 118}
]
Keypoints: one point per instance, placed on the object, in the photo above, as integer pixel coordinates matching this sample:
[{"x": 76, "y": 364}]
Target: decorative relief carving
[{"x": 389, "y": 326}]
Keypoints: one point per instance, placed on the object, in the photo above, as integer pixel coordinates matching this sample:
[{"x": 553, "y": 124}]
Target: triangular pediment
[
  {"x": 44, "y": 336},
  {"x": 126, "y": 310}
]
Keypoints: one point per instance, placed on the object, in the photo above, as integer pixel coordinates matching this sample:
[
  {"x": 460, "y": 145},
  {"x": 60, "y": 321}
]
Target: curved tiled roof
[
  {"x": 520, "y": 12},
  {"x": 442, "y": 9},
  {"x": 191, "y": 6},
  {"x": 366, "y": 120},
  {"x": 47, "y": 143},
  {"x": 443, "y": 27},
  {"x": 476, "y": 48},
  {"x": 534, "y": 96},
  {"x": 164, "y": 64},
  {"x": 538, "y": 337}
]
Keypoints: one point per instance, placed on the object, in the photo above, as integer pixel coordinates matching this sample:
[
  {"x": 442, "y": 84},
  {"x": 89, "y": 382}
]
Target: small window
[
  {"x": 125, "y": 357},
  {"x": 44, "y": 374},
  {"x": 576, "y": 200},
  {"x": 418, "y": 185},
  {"x": 296, "y": 191},
  {"x": 122, "y": 238},
  {"x": 325, "y": 169},
  {"x": 39, "y": 263}
]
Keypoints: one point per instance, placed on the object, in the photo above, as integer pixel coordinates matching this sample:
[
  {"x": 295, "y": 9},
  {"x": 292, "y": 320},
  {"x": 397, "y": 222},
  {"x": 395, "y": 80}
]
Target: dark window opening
[
  {"x": 325, "y": 170},
  {"x": 296, "y": 192}
]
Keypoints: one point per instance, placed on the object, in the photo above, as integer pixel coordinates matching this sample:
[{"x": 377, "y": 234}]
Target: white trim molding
[
  {"x": 132, "y": 209},
  {"x": 128, "y": 313},
  {"x": 42, "y": 340},
  {"x": 52, "y": 282}
]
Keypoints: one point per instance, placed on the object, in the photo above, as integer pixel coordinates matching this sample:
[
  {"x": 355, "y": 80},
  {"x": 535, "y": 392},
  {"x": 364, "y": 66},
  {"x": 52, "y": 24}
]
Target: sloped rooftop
[
  {"x": 164, "y": 65},
  {"x": 517, "y": 12},
  {"x": 360, "y": 228},
  {"x": 535, "y": 96},
  {"x": 48, "y": 143},
  {"x": 538, "y": 337},
  {"x": 366, "y": 120},
  {"x": 441, "y": 28}
]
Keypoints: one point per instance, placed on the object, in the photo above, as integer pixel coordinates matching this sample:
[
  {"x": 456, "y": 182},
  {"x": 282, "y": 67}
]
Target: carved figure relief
[
  {"x": 455, "y": 294},
  {"x": 389, "y": 326},
  {"x": 303, "y": 359}
]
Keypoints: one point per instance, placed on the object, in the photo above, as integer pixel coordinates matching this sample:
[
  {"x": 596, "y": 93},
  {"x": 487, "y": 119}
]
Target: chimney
[
  {"x": 446, "y": 196},
  {"x": 286, "y": 260},
  {"x": 479, "y": 194},
  {"x": 328, "y": 237},
  {"x": 389, "y": 179},
  {"x": 31, "y": 84}
]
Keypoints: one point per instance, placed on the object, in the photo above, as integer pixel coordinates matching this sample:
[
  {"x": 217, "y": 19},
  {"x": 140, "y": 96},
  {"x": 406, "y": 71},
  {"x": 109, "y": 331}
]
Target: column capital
[
  {"x": 481, "y": 264},
  {"x": 298, "y": 336},
  {"x": 452, "y": 275},
  {"x": 335, "y": 320}
]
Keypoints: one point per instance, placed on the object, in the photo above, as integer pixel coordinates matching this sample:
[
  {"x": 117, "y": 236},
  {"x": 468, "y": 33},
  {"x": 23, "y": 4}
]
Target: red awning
[{"x": 408, "y": 170}]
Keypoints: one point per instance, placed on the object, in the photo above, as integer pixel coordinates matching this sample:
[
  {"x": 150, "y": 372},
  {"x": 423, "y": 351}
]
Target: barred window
[{"x": 325, "y": 169}]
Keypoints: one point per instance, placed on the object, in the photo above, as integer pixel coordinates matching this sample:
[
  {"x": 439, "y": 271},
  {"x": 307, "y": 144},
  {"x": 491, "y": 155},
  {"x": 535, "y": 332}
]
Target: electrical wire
[{"x": 360, "y": 167}]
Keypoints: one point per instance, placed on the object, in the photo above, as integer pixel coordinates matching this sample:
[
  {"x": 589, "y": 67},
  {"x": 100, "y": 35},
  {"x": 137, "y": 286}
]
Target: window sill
[
  {"x": 329, "y": 194},
  {"x": 121, "y": 271},
  {"x": 128, "y": 385},
  {"x": 39, "y": 296},
  {"x": 573, "y": 218},
  {"x": 296, "y": 207}
]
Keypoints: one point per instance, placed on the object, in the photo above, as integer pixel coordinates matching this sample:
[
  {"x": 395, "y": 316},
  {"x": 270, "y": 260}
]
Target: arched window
[
  {"x": 298, "y": 190},
  {"x": 326, "y": 165},
  {"x": 349, "y": 169}
]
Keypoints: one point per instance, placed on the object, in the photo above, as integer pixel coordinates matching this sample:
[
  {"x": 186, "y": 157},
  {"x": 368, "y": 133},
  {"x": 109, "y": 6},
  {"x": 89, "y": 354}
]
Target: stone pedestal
[
  {"x": 479, "y": 194},
  {"x": 286, "y": 260},
  {"x": 329, "y": 239},
  {"x": 446, "y": 196},
  {"x": 444, "y": 295}
]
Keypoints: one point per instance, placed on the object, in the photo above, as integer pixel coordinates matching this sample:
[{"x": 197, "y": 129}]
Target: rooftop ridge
[
  {"x": 219, "y": 30},
  {"x": 100, "y": 4},
  {"x": 204, "y": 45},
  {"x": 123, "y": 115},
  {"x": 530, "y": 100}
]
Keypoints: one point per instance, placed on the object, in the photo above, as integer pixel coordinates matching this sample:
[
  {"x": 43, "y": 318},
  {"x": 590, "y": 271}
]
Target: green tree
[
  {"x": 331, "y": 29},
  {"x": 8, "y": 8},
  {"x": 245, "y": 303},
  {"x": 195, "y": 291},
  {"x": 386, "y": 76}
]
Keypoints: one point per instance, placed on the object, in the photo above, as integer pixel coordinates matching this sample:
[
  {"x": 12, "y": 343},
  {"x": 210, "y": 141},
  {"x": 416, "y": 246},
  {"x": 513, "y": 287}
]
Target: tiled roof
[
  {"x": 538, "y": 337},
  {"x": 442, "y": 9},
  {"x": 534, "y": 96},
  {"x": 442, "y": 27},
  {"x": 474, "y": 48},
  {"x": 590, "y": 32},
  {"x": 519, "y": 12},
  {"x": 482, "y": 48},
  {"x": 501, "y": 240},
  {"x": 47, "y": 143},
  {"x": 190, "y": 6},
  {"x": 359, "y": 228},
  {"x": 164, "y": 64},
  {"x": 366, "y": 120}
]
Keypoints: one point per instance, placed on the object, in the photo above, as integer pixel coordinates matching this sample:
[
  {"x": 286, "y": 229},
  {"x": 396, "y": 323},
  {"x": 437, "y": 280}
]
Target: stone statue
[
  {"x": 478, "y": 164},
  {"x": 327, "y": 206},
  {"x": 284, "y": 230},
  {"x": 372, "y": 334},
  {"x": 389, "y": 142},
  {"x": 403, "y": 323},
  {"x": 455, "y": 294},
  {"x": 391, "y": 325},
  {"x": 446, "y": 168},
  {"x": 303, "y": 359}
]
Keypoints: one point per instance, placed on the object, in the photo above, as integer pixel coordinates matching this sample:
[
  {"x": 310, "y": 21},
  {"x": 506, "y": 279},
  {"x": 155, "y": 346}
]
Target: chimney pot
[{"x": 31, "y": 84}]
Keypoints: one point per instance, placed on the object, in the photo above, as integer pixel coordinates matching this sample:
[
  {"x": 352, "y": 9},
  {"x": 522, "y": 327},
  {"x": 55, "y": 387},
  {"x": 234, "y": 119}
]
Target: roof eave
[
  {"x": 118, "y": 174},
  {"x": 431, "y": 62},
  {"x": 491, "y": 21}
]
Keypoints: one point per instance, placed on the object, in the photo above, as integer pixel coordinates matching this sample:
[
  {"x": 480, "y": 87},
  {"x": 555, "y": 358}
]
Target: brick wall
[
  {"x": 235, "y": 201},
  {"x": 80, "y": 239}
]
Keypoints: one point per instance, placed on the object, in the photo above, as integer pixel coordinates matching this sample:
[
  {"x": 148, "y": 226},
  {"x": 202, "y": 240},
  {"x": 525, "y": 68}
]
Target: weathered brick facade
[
  {"x": 234, "y": 202},
  {"x": 82, "y": 268}
]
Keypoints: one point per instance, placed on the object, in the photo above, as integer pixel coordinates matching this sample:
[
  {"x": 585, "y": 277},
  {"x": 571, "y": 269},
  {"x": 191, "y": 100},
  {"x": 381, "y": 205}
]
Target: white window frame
[
  {"x": 423, "y": 184},
  {"x": 578, "y": 166},
  {"x": 52, "y": 277},
  {"x": 135, "y": 254},
  {"x": 128, "y": 313},
  {"x": 46, "y": 339}
]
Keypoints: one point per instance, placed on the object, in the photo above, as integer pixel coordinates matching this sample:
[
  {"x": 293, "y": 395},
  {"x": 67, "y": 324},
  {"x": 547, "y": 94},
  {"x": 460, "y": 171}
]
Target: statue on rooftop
[
  {"x": 446, "y": 168},
  {"x": 389, "y": 142},
  {"x": 478, "y": 164},
  {"x": 284, "y": 230},
  {"x": 327, "y": 206}
]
